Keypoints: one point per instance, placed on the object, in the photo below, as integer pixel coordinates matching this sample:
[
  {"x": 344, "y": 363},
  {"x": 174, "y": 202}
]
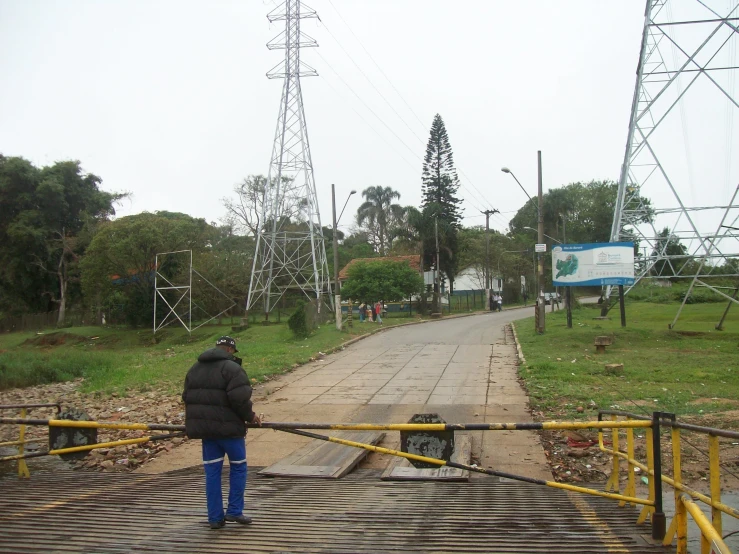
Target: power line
[
  {"x": 370, "y": 82},
  {"x": 376, "y": 64},
  {"x": 480, "y": 199},
  {"x": 369, "y": 125},
  {"x": 367, "y": 106}
]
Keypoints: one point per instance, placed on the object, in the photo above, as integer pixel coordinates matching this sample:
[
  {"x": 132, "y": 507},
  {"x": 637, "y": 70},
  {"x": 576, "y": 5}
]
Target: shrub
[{"x": 298, "y": 321}]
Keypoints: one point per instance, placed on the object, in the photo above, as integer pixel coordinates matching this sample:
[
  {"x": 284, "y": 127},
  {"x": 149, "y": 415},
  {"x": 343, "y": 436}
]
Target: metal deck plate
[{"x": 100, "y": 512}]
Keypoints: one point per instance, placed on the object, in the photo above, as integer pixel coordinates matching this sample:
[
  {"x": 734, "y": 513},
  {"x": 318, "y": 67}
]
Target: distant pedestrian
[
  {"x": 369, "y": 309},
  {"x": 492, "y": 302},
  {"x": 499, "y": 300},
  {"x": 362, "y": 312},
  {"x": 217, "y": 399},
  {"x": 378, "y": 312}
]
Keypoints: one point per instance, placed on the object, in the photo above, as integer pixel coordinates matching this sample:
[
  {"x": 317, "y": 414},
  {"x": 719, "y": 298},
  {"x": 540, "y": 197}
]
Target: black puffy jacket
[{"x": 217, "y": 397}]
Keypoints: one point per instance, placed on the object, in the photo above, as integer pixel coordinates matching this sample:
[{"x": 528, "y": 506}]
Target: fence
[
  {"x": 38, "y": 322},
  {"x": 686, "y": 498}
]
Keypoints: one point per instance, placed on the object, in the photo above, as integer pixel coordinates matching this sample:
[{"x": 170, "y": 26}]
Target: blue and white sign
[{"x": 599, "y": 263}]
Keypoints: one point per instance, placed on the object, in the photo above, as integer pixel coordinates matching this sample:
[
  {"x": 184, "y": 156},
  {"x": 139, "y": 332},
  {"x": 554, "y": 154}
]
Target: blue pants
[{"x": 214, "y": 451}]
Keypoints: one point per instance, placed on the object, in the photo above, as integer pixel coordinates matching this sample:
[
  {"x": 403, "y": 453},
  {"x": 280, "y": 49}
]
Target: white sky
[{"x": 169, "y": 100}]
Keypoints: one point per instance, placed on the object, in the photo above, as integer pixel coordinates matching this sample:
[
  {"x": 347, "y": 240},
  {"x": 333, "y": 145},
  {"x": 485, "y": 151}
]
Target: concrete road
[{"x": 463, "y": 368}]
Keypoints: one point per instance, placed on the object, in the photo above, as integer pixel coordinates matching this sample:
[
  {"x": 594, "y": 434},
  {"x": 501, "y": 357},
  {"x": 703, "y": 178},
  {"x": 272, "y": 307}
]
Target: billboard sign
[{"x": 595, "y": 264}]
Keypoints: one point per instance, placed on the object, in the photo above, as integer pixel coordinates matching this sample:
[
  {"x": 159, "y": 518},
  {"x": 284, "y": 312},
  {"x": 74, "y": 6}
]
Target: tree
[
  {"x": 584, "y": 209},
  {"x": 668, "y": 245},
  {"x": 245, "y": 212},
  {"x": 439, "y": 188},
  {"x": 47, "y": 216},
  {"x": 120, "y": 262},
  {"x": 439, "y": 180},
  {"x": 381, "y": 280},
  {"x": 378, "y": 215}
]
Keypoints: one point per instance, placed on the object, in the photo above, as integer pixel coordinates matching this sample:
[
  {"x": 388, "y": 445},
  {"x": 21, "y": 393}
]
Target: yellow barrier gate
[
  {"x": 651, "y": 507},
  {"x": 685, "y": 496}
]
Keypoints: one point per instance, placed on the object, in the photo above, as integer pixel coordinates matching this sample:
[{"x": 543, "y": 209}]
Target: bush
[
  {"x": 29, "y": 368},
  {"x": 298, "y": 321}
]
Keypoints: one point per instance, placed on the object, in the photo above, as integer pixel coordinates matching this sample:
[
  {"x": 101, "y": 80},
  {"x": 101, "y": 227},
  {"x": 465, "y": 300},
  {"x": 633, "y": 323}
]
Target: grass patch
[
  {"x": 690, "y": 370},
  {"x": 118, "y": 360}
]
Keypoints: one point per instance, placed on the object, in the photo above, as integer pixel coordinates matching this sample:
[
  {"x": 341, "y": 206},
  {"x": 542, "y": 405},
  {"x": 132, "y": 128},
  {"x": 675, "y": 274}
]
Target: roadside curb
[{"x": 521, "y": 359}]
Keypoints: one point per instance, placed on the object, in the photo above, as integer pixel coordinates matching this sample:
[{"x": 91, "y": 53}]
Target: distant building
[{"x": 469, "y": 279}]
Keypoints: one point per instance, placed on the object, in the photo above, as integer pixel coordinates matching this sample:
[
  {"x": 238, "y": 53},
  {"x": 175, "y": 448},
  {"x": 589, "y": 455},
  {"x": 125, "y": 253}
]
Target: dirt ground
[{"x": 575, "y": 457}]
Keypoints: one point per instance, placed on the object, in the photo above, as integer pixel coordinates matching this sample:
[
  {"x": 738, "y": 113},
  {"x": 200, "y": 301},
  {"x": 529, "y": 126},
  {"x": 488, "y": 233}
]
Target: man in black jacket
[{"x": 217, "y": 400}]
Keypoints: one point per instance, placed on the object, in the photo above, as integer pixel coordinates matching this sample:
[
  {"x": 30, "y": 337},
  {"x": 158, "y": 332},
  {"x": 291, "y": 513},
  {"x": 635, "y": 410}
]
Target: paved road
[{"x": 462, "y": 368}]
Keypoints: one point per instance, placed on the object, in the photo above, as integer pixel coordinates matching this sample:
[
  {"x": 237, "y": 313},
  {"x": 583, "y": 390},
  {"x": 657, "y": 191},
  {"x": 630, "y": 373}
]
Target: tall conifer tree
[
  {"x": 440, "y": 181},
  {"x": 439, "y": 186}
]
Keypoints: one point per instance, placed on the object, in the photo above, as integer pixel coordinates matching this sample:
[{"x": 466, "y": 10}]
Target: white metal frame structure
[
  {"x": 183, "y": 291},
  {"x": 683, "y": 71},
  {"x": 289, "y": 254}
]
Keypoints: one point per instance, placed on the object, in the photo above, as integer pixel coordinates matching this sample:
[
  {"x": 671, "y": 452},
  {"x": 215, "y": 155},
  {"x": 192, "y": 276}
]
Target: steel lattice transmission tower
[
  {"x": 677, "y": 195},
  {"x": 290, "y": 254}
]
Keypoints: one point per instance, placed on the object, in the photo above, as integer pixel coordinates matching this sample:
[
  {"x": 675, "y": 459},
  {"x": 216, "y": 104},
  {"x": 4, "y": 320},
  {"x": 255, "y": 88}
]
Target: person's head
[{"x": 226, "y": 343}]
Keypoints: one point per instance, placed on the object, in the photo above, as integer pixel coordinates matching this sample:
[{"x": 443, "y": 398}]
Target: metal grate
[{"x": 99, "y": 512}]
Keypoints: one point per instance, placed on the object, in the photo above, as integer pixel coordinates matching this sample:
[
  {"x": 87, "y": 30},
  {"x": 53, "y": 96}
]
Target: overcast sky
[{"x": 169, "y": 99}]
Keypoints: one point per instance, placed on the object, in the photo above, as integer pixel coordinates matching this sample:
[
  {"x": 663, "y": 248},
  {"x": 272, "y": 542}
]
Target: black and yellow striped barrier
[
  {"x": 473, "y": 468},
  {"x": 526, "y": 426},
  {"x": 298, "y": 428}
]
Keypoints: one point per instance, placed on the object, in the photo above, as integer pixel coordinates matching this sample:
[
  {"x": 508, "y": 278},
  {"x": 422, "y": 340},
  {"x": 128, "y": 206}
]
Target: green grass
[
  {"x": 665, "y": 370},
  {"x": 117, "y": 360}
]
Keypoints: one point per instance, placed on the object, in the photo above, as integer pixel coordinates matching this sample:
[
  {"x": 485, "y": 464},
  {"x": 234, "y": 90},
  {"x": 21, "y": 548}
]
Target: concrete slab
[
  {"x": 401, "y": 397},
  {"x": 464, "y": 369},
  {"x": 457, "y": 395}
]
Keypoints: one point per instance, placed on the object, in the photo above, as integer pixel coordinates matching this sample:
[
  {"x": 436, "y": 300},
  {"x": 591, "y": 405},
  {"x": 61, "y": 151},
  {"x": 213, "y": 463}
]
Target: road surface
[{"x": 463, "y": 368}]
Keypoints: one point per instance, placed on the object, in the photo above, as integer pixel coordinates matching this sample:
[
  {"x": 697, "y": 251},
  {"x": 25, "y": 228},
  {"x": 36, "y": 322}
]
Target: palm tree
[{"x": 378, "y": 214}]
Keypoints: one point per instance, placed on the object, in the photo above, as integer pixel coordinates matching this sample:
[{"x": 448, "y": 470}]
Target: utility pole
[
  {"x": 337, "y": 302},
  {"x": 486, "y": 273},
  {"x": 542, "y": 305},
  {"x": 437, "y": 284}
]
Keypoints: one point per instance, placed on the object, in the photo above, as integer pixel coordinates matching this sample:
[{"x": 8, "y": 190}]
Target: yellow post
[
  {"x": 22, "y": 467},
  {"x": 681, "y": 516},
  {"x": 631, "y": 483},
  {"x": 647, "y": 510},
  {"x": 613, "y": 483},
  {"x": 715, "y": 477},
  {"x": 677, "y": 482}
]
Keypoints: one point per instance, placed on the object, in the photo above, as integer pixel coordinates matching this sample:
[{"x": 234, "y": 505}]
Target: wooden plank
[
  {"x": 401, "y": 469},
  {"x": 324, "y": 460}
]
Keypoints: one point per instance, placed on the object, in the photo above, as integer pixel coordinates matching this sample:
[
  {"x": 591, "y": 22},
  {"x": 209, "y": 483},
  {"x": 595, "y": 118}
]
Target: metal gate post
[{"x": 659, "y": 523}]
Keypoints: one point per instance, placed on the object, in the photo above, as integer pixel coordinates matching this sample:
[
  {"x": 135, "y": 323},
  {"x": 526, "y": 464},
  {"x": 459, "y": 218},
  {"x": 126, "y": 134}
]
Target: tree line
[{"x": 62, "y": 248}]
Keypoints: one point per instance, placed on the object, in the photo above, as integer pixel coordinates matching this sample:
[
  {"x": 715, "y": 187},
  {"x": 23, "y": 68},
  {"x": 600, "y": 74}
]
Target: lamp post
[
  {"x": 541, "y": 313},
  {"x": 541, "y": 283},
  {"x": 337, "y": 293}
]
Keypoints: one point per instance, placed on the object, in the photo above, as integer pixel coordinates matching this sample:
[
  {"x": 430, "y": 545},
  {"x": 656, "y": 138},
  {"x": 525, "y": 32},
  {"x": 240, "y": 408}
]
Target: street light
[
  {"x": 337, "y": 297},
  {"x": 345, "y": 203},
  {"x": 535, "y": 231},
  {"x": 540, "y": 325},
  {"x": 506, "y": 170}
]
